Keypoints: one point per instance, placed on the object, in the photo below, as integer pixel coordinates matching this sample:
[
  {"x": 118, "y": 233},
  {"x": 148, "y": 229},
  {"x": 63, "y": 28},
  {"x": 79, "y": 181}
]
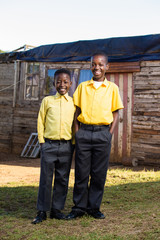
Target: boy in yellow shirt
[
  {"x": 97, "y": 103},
  {"x": 54, "y": 133}
]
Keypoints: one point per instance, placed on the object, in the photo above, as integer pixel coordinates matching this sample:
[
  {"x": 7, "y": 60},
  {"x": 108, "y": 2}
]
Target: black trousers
[
  {"x": 93, "y": 145},
  {"x": 56, "y": 157}
]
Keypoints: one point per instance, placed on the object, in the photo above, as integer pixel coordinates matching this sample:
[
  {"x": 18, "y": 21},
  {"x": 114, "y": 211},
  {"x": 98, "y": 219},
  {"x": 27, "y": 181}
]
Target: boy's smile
[
  {"x": 99, "y": 67},
  {"x": 63, "y": 83}
]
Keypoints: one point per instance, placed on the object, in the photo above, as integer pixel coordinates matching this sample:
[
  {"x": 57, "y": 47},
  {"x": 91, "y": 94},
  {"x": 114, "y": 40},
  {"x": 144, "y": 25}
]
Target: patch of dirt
[{"x": 17, "y": 169}]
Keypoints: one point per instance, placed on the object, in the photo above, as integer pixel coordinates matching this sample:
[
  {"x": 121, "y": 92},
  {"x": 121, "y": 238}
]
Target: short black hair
[
  {"x": 62, "y": 70},
  {"x": 100, "y": 54}
]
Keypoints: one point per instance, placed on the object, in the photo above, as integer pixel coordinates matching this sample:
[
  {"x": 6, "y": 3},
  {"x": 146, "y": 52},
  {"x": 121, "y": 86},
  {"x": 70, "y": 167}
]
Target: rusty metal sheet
[{"x": 121, "y": 141}]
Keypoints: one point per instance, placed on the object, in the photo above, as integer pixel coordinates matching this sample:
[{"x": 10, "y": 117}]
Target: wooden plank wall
[
  {"x": 17, "y": 123},
  {"x": 24, "y": 122},
  {"x": 6, "y": 103},
  {"x": 146, "y": 114},
  {"x": 24, "y": 115}
]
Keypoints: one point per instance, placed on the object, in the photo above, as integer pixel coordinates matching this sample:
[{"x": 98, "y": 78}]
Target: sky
[{"x": 42, "y": 22}]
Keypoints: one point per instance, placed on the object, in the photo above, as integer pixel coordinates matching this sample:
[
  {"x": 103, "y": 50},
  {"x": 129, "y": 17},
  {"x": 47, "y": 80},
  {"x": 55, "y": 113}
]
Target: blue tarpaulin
[{"x": 121, "y": 49}]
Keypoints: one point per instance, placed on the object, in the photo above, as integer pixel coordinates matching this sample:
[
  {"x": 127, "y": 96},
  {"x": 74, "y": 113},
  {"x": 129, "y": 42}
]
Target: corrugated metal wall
[{"x": 121, "y": 141}]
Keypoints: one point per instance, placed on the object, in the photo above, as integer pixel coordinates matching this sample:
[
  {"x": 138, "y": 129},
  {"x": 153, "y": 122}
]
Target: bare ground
[{"x": 17, "y": 169}]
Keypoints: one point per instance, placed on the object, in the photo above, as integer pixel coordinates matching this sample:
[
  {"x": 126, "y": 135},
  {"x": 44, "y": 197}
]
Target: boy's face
[
  {"x": 62, "y": 83},
  {"x": 99, "y": 66}
]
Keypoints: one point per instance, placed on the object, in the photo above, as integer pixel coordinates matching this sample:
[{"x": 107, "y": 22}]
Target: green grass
[{"x": 131, "y": 203}]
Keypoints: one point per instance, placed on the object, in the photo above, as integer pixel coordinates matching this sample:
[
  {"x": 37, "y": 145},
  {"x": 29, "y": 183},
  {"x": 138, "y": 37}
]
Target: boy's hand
[{"x": 114, "y": 123}]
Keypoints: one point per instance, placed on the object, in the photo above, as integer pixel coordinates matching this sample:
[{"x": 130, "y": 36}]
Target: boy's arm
[
  {"x": 76, "y": 122},
  {"x": 114, "y": 123},
  {"x": 41, "y": 123}
]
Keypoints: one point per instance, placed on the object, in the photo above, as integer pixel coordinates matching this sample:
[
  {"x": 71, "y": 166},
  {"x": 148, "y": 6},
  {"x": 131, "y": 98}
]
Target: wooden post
[{"x": 15, "y": 82}]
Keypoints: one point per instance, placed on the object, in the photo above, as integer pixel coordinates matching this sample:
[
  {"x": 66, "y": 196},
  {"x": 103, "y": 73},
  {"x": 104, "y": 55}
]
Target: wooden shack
[{"x": 26, "y": 77}]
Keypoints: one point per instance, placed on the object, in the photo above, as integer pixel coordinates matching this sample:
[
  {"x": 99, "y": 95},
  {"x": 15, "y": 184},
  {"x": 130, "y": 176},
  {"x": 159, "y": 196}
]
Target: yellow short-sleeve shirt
[{"x": 97, "y": 105}]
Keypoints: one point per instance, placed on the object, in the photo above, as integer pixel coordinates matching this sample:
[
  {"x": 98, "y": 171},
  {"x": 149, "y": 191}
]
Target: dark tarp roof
[{"x": 121, "y": 49}]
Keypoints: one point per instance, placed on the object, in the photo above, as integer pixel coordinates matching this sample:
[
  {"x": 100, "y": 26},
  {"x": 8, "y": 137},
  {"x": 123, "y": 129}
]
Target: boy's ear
[
  {"x": 70, "y": 83},
  {"x": 54, "y": 83}
]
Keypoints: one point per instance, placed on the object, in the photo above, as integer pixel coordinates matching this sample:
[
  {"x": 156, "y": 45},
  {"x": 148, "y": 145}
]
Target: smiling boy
[
  {"x": 54, "y": 133},
  {"x": 97, "y": 103}
]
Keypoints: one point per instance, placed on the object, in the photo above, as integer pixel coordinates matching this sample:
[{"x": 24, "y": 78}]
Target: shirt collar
[
  {"x": 66, "y": 96},
  {"x": 105, "y": 82}
]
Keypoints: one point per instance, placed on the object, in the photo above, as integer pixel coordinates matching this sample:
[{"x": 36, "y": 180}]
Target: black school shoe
[
  {"x": 74, "y": 214},
  {"x": 95, "y": 213},
  {"x": 41, "y": 215},
  {"x": 57, "y": 214}
]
